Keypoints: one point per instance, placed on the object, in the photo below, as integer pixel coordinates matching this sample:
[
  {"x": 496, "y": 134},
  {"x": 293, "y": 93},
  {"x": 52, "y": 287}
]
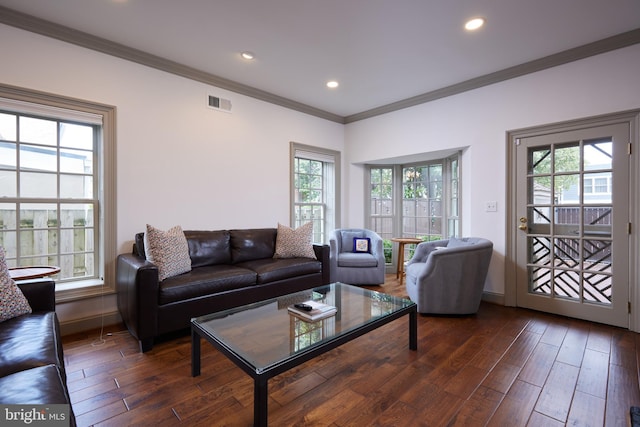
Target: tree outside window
[{"x": 309, "y": 190}]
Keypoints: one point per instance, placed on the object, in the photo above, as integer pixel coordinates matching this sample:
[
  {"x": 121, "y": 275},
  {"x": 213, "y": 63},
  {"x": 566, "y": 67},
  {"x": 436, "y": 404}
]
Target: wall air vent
[{"x": 219, "y": 104}]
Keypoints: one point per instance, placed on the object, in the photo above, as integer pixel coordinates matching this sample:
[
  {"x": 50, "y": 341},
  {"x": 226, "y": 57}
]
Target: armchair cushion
[
  {"x": 459, "y": 243},
  {"x": 347, "y": 240},
  {"x": 349, "y": 259}
]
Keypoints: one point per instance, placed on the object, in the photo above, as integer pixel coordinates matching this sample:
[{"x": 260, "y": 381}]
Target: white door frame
[{"x": 511, "y": 222}]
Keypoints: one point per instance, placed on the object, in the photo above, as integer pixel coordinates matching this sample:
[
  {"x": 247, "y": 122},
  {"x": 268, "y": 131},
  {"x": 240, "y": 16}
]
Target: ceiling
[{"x": 385, "y": 54}]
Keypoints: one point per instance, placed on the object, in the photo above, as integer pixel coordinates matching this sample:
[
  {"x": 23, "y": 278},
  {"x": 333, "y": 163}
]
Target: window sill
[{"x": 66, "y": 292}]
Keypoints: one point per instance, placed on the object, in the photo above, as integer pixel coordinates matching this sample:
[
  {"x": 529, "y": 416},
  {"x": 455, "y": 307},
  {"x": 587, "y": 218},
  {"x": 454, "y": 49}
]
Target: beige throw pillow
[
  {"x": 12, "y": 301},
  {"x": 296, "y": 243},
  {"x": 168, "y": 250}
]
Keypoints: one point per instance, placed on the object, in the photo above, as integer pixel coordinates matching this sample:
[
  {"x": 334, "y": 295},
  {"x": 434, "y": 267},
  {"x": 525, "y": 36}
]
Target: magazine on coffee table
[{"x": 312, "y": 310}]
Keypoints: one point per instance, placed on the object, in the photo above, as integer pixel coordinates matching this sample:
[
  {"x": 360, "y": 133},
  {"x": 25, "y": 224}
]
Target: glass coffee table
[{"x": 264, "y": 339}]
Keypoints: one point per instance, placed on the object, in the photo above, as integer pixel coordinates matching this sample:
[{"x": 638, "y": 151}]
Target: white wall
[
  {"x": 480, "y": 120},
  {"x": 179, "y": 162}
]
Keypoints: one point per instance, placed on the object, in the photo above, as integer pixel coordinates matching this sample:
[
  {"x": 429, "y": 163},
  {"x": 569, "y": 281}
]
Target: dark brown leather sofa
[
  {"x": 31, "y": 358},
  {"x": 229, "y": 268}
]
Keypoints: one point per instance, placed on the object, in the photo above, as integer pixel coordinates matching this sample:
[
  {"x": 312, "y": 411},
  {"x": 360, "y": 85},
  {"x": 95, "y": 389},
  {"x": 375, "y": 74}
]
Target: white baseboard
[
  {"x": 90, "y": 323},
  {"x": 493, "y": 298}
]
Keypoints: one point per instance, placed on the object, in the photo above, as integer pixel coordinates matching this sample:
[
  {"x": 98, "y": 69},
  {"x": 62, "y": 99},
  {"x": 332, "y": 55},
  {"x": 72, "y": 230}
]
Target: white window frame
[
  {"x": 374, "y": 219},
  {"x": 330, "y": 204},
  {"x": 451, "y": 219},
  {"x": 593, "y": 186},
  {"x": 30, "y": 102}
]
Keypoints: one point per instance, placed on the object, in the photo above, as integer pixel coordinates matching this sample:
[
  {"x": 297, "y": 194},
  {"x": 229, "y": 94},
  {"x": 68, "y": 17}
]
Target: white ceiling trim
[{"x": 46, "y": 28}]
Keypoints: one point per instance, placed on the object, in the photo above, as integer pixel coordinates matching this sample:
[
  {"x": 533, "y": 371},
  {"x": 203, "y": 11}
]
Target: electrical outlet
[{"x": 491, "y": 206}]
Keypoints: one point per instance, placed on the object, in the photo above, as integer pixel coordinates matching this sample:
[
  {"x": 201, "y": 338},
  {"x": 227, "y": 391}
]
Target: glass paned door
[{"x": 573, "y": 238}]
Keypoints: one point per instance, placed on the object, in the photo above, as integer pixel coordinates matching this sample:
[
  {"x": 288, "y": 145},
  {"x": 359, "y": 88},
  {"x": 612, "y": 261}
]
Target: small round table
[
  {"x": 35, "y": 272},
  {"x": 401, "y": 241}
]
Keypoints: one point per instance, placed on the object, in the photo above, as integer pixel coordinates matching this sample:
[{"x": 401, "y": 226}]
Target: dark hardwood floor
[{"x": 501, "y": 367}]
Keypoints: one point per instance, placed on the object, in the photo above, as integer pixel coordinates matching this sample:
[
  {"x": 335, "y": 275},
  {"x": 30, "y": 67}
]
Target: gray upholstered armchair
[
  {"x": 353, "y": 265},
  {"x": 447, "y": 276}
]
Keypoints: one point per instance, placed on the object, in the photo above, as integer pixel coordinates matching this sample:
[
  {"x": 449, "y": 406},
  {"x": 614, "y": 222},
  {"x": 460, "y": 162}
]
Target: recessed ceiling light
[
  {"x": 474, "y": 24},
  {"x": 332, "y": 84},
  {"x": 247, "y": 55}
]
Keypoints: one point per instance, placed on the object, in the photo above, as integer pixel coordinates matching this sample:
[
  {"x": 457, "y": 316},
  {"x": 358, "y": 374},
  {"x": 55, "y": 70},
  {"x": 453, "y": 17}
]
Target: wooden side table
[
  {"x": 25, "y": 273},
  {"x": 401, "y": 241}
]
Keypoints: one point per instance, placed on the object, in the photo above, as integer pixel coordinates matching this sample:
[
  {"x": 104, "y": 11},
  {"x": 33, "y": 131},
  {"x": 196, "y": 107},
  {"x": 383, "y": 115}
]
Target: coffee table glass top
[{"x": 266, "y": 334}]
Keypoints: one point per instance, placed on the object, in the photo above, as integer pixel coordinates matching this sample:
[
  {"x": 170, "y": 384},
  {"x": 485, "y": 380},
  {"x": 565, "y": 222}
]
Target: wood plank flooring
[{"x": 503, "y": 366}]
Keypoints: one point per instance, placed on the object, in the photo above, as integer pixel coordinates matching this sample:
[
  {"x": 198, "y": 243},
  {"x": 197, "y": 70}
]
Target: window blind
[
  {"x": 314, "y": 155},
  {"x": 17, "y": 106}
]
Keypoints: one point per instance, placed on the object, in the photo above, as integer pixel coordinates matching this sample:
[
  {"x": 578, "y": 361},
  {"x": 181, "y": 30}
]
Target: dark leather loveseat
[
  {"x": 31, "y": 358},
  {"x": 229, "y": 268}
]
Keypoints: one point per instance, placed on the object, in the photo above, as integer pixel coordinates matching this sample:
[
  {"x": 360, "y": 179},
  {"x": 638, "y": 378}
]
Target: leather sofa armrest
[
  {"x": 41, "y": 293},
  {"x": 322, "y": 254},
  {"x": 137, "y": 287}
]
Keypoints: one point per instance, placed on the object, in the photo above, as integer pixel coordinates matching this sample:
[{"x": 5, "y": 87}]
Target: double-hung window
[
  {"x": 52, "y": 189},
  {"x": 315, "y": 189}
]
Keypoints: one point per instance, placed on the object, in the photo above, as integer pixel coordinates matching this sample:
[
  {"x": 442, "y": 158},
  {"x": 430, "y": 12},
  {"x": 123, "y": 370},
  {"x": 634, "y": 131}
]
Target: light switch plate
[{"x": 491, "y": 206}]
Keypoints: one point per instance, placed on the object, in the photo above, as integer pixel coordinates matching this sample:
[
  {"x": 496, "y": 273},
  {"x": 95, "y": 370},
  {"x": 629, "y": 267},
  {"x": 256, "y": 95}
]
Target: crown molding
[
  {"x": 601, "y": 46},
  {"x": 60, "y": 32},
  {"x": 47, "y": 28}
]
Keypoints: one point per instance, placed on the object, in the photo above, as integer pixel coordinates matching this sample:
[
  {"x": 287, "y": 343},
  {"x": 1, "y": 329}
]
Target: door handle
[{"x": 523, "y": 223}]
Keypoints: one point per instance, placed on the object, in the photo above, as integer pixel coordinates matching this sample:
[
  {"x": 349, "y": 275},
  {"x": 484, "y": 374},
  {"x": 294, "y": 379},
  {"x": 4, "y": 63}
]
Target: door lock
[{"x": 523, "y": 223}]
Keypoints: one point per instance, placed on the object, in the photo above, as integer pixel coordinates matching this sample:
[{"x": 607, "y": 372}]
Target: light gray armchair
[
  {"x": 352, "y": 267},
  {"x": 447, "y": 276}
]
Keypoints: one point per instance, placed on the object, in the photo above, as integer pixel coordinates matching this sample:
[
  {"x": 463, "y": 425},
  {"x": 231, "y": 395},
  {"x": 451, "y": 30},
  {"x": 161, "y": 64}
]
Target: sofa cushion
[
  {"x": 360, "y": 259},
  {"x": 274, "y": 269},
  {"x": 168, "y": 250},
  {"x": 29, "y": 341},
  {"x": 36, "y": 386},
  {"x": 257, "y": 243},
  {"x": 295, "y": 243},
  {"x": 12, "y": 301},
  {"x": 204, "y": 281},
  {"x": 208, "y": 247}
]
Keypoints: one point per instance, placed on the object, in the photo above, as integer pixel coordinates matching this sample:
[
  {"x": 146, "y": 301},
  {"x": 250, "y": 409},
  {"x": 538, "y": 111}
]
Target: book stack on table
[{"x": 312, "y": 310}]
